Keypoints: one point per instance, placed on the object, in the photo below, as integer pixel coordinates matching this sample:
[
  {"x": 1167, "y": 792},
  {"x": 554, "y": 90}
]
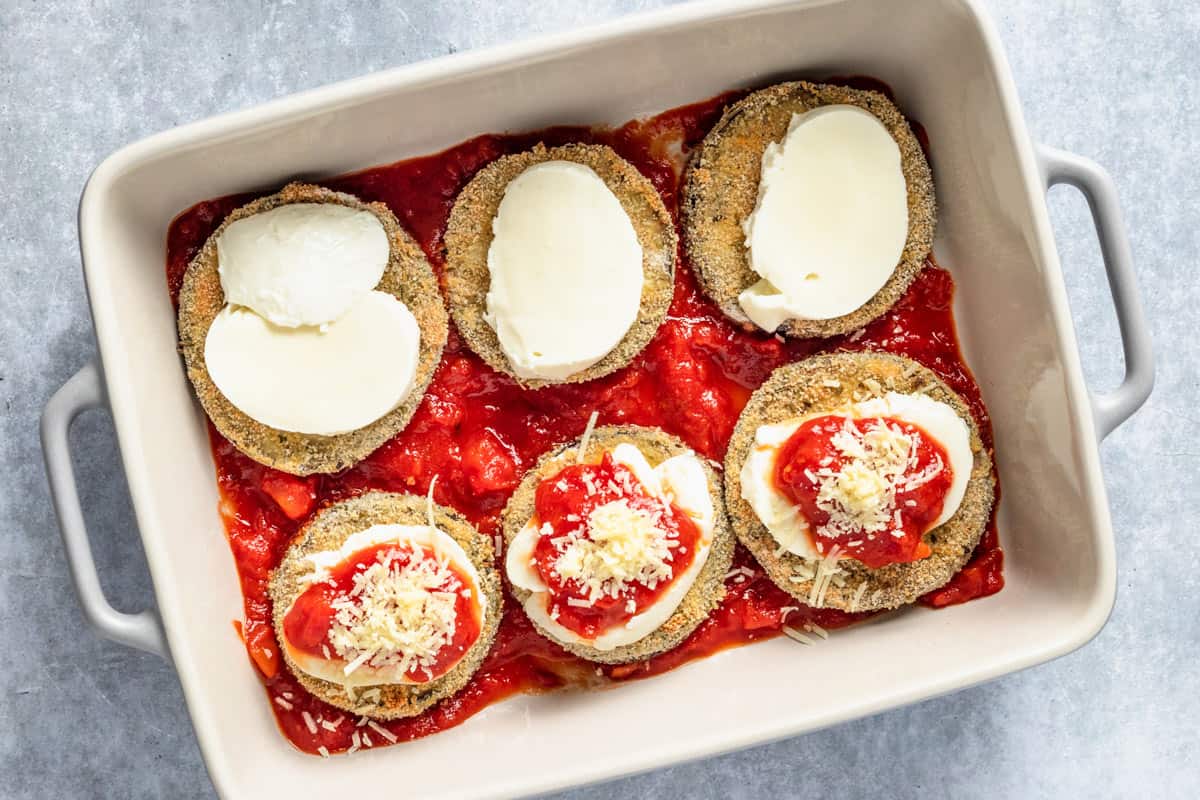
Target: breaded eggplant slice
[
  {"x": 721, "y": 190},
  {"x": 408, "y": 277},
  {"x": 469, "y": 236},
  {"x": 807, "y": 387},
  {"x": 705, "y": 594},
  {"x": 328, "y": 530}
]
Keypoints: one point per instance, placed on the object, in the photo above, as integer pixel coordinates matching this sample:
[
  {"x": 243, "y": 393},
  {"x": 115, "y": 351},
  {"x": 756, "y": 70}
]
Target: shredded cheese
[
  {"x": 429, "y": 503},
  {"x": 587, "y": 434},
  {"x": 827, "y": 567},
  {"x": 382, "y": 731},
  {"x": 860, "y": 497},
  {"x": 623, "y": 545},
  {"x": 739, "y": 574},
  {"x": 796, "y": 635},
  {"x": 858, "y": 595},
  {"x": 396, "y": 616}
]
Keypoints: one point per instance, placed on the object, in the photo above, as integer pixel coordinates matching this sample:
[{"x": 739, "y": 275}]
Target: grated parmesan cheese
[
  {"x": 429, "y": 505},
  {"x": 587, "y": 434},
  {"x": 817, "y": 629},
  {"x": 624, "y": 545},
  {"x": 860, "y": 497},
  {"x": 382, "y": 731},
  {"x": 796, "y": 635},
  {"x": 396, "y": 615},
  {"x": 827, "y": 567},
  {"x": 858, "y": 595}
]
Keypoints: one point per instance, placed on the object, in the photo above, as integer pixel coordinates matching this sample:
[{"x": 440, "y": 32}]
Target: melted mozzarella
[
  {"x": 302, "y": 263},
  {"x": 333, "y": 669},
  {"x": 566, "y": 271},
  {"x": 679, "y": 480},
  {"x": 775, "y": 510},
  {"x": 323, "y": 381},
  {"x": 831, "y": 219}
]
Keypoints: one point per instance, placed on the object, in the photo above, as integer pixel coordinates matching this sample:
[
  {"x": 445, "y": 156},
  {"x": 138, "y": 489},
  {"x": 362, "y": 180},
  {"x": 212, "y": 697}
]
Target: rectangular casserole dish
[{"x": 942, "y": 57}]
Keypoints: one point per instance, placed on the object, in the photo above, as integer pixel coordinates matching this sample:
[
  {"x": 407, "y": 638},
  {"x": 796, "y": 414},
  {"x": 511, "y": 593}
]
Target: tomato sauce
[
  {"x": 477, "y": 431},
  {"x": 565, "y": 502},
  {"x": 811, "y": 450}
]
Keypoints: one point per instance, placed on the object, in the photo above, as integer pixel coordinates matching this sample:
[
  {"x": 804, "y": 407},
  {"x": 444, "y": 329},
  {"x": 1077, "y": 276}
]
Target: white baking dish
[{"x": 943, "y": 59}]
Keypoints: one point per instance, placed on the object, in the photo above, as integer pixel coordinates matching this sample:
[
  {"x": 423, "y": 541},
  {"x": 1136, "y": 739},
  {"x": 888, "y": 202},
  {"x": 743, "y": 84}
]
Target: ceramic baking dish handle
[
  {"x": 1111, "y": 408},
  {"x": 85, "y": 390}
]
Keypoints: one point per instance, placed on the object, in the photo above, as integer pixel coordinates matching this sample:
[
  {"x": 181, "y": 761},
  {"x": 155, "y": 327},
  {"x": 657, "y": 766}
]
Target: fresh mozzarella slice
[
  {"x": 684, "y": 483},
  {"x": 566, "y": 271},
  {"x": 681, "y": 480},
  {"x": 772, "y": 507},
  {"x": 333, "y": 669},
  {"x": 628, "y": 456},
  {"x": 320, "y": 381},
  {"x": 518, "y": 560},
  {"x": 303, "y": 263},
  {"x": 775, "y": 510},
  {"x": 831, "y": 219}
]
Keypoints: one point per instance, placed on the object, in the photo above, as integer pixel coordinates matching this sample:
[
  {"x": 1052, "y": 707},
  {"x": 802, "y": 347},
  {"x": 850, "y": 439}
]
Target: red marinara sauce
[
  {"x": 565, "y": 503},
  {"x": 310, "y": 620},
  {"x": 477, "y": 431},
  {"x": 811, "y": 452}
]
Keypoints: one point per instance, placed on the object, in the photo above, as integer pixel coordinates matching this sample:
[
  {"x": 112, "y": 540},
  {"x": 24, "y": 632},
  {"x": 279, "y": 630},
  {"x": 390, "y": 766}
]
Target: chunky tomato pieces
[{"x": 294, "y": 495}]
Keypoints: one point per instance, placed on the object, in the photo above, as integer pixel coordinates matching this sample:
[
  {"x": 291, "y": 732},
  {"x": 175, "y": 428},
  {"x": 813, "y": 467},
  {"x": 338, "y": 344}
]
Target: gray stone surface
[{"x": 80, "y": 717}]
